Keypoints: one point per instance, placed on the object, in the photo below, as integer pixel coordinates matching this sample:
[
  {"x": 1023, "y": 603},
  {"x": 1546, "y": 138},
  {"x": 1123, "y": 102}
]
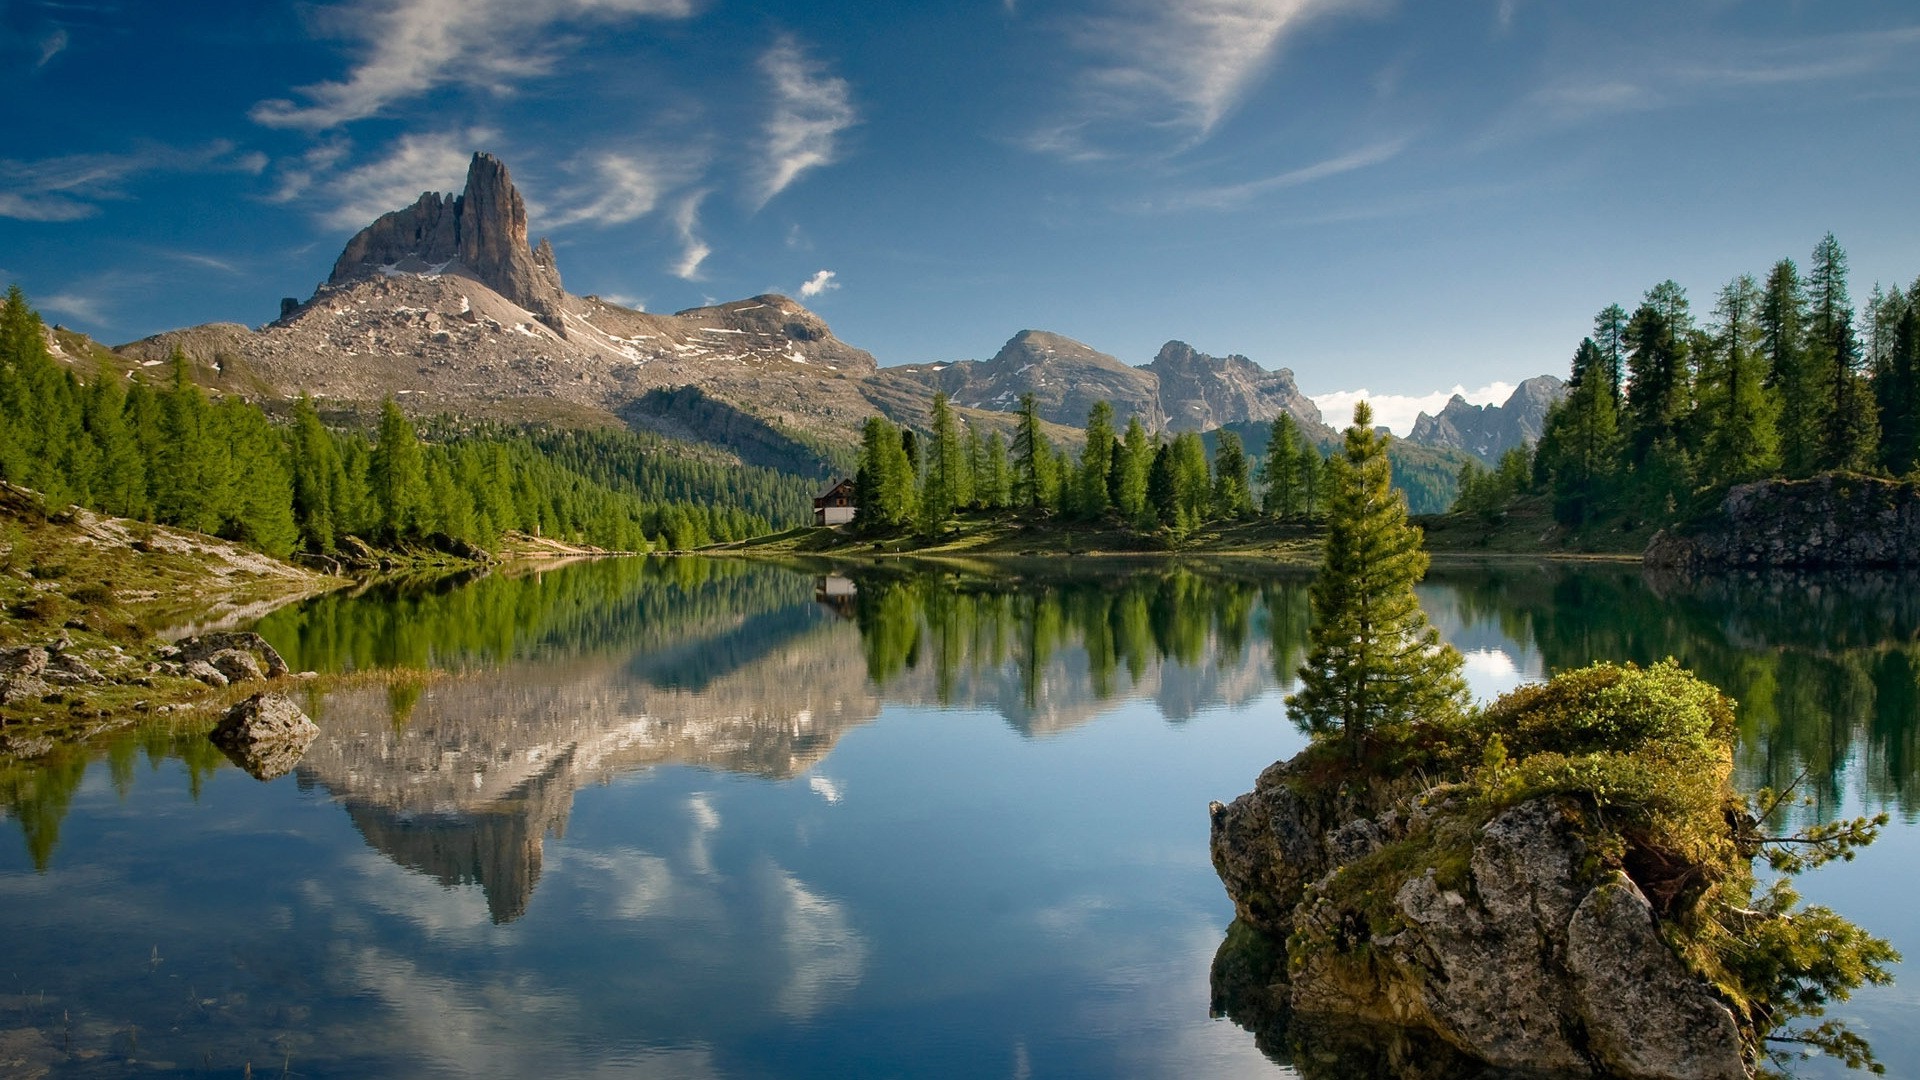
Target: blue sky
[{"x": 1385, "y": 194}]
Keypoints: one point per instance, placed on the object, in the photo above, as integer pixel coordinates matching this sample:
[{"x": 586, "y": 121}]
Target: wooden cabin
[{"x": 836, "y": 506}]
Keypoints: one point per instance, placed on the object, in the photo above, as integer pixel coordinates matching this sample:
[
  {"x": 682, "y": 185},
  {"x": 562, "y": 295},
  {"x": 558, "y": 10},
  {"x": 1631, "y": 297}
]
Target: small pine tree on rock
[{"x": 1374, "y": 663}]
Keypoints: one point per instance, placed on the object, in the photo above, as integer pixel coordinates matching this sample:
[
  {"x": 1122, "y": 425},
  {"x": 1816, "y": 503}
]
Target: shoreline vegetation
[{"x": 94, "y": 608}]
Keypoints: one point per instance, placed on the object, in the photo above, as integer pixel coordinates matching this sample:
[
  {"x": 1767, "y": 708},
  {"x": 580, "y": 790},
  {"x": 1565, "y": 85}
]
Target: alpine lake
[{"x": 681, "y": 817}]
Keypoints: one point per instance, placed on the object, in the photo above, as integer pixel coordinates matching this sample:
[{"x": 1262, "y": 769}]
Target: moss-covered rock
[{"x": 1559, "y": 882}]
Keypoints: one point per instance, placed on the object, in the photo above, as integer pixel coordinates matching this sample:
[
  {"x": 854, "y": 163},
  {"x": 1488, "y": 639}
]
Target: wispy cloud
[
  {"x": 1175, "y": 65},
  {"x": 71, "y": 187},
  {"x": 407, "y": 47},
  {"x": 51, "y": 45},
  {"x": 693, "y": 250},
  {"x": 1627, "y": 76},
  {"x": 207, "y": 262},
  {"x": 1230, "y": 196},
  {"x": 618, "y": 188},
  {"x": 82, "y": 306},
  {"x": 821, "y": 281},
  {"x": 1397, "y": 412},
  {"x": 810, "y": 110},
  {"x": 415, "y": 163}
]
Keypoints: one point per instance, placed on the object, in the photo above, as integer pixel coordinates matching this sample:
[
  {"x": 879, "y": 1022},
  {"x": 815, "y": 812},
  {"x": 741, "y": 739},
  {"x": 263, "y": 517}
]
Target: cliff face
[
  {"x": 1200, "y": 392},
  {"x": 484, "y": 228},
  {"x": 1835, "y": 521}
]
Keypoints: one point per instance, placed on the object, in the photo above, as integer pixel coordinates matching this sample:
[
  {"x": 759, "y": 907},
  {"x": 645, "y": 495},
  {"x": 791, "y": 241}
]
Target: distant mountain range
[
  {"x": 447, "y": 307},
  {"x": 1488, "y": 431}
]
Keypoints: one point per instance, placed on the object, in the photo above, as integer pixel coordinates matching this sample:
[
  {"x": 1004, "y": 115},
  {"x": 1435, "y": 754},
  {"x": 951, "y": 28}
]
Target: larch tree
[
  {"x": 397, "y": 475},
  {"x": 1135, "y": 461},
  {"x": 1375, "y": 666},
  {"x": 1091, "y": 497},
  {"x": 1232, "y": 490},
  {"x": 1850, "y": 434},
  {"x": 1032, "y": 457},
  {"x": 1740, "y": 412},
  {"x": 1282, "y": 472},
  {"x": 1782, "y": 317},
  {"x": 1610, "y": 339}
]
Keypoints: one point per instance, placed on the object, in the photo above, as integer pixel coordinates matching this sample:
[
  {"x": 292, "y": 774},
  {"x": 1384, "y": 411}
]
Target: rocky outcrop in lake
[
  {"x": 1832, "y": 521},
  {"x": 1520, "y": 956}
]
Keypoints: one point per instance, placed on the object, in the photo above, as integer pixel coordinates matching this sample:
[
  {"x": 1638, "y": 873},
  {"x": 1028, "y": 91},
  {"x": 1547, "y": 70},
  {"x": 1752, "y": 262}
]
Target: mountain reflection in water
[{"x": 721, "y": 703}]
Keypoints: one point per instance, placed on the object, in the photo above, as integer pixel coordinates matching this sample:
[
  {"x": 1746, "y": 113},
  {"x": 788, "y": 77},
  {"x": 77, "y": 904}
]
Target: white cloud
[
  {"x": 408, "y": 47},
  {"x": 1180, "y": 65},
  {"x": 1398, "y": 411},
  {"x": 71, "y": 187},
  {"x": 415, "y": 163},
  {"x": 623, "y": 188},
  {"x": 88, "y": 309},
  {"x": 1228, "y": 196},
  {"x": 693, "y": 250},
  {"x": 821, "y": 281},
  {"x": 810, "y": 110},
  {"x": 51, "y": 46}
]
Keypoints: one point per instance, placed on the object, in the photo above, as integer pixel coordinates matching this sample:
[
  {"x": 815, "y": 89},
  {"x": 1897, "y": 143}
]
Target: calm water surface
[{"x": 685, "y": 818}]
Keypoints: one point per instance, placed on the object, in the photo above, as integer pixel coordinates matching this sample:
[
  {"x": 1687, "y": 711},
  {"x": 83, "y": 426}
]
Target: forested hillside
[
  {"x": 1784, "y": 378},
  {"x": 171, "y": 454}
]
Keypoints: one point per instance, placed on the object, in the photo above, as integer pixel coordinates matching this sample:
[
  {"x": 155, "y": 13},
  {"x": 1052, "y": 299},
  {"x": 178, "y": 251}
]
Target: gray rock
[
  {"x": 205, "y": 673},
  {"x": 207, "y": 646},
  {"x": 22, "y": 671},
  {"x": 237, "y": 666},
  {"x": 1486, "y": 969},
  {"x": 1646, "y": 1016},
  {"x": 266, "y": 735}
]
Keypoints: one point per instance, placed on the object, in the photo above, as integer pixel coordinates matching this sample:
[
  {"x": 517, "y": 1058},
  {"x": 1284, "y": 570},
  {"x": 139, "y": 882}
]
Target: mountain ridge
[{"x": 446, "y": 307}]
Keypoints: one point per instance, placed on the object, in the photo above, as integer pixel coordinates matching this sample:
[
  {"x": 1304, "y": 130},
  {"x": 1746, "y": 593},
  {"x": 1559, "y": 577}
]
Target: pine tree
[
  {"x": 1192, "y": 482},
  {"x": 1282, "y": 472},
  {"x": 1782, "y": 317},
  {"x": 122, "y": 488},
  {"x": 1898, "y": 392},
  {"x": 946, "y": 464},
  {"x": 1032, "y": 457},
  {"x": 1232, "y": 490},
  {"x": 1135, "y": 461},
  {"x": 317, "y": 478},
  {"x": 397, "y": 477},
  {"x": 1580, "y": 442},
  {"x": 1850, "y": 434},
  {"x": 1091, "y": 498},
  {"x": 997, "y": 482},
  {"x": 1740, "y": 412},
  {"x": 184, "y": 487},
  {"x": 1163, "y": 492},
  {"x": 1374, "y": 665},
  {"x": 1659, "y": 392},
  {"x": 1610, "y": 340}
]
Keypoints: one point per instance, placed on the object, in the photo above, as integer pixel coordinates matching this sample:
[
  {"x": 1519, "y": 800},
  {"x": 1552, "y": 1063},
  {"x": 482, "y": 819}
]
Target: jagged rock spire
[{"x": 484, "y": 229}]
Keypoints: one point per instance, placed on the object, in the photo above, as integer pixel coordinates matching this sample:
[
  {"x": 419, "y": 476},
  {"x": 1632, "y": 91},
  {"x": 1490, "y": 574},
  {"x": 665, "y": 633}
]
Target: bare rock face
[
  {"x": 1488, "y": 431},
  {"x": 484, "y": 229},
  {"x": 1526, "y": 963},
  {"x": 1199, "y": 392},
  {"x": 1832, "y": 521},
  {"x": 1646, "y": 1015},
  {"x": 266, "y": 735}
]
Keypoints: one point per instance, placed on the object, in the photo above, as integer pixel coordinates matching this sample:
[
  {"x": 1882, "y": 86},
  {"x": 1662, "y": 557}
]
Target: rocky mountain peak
[
  {"x": 1199, "y": 392},
  {"x": 1488, "y": 431},
  {"x": 483, "y": 229}
]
